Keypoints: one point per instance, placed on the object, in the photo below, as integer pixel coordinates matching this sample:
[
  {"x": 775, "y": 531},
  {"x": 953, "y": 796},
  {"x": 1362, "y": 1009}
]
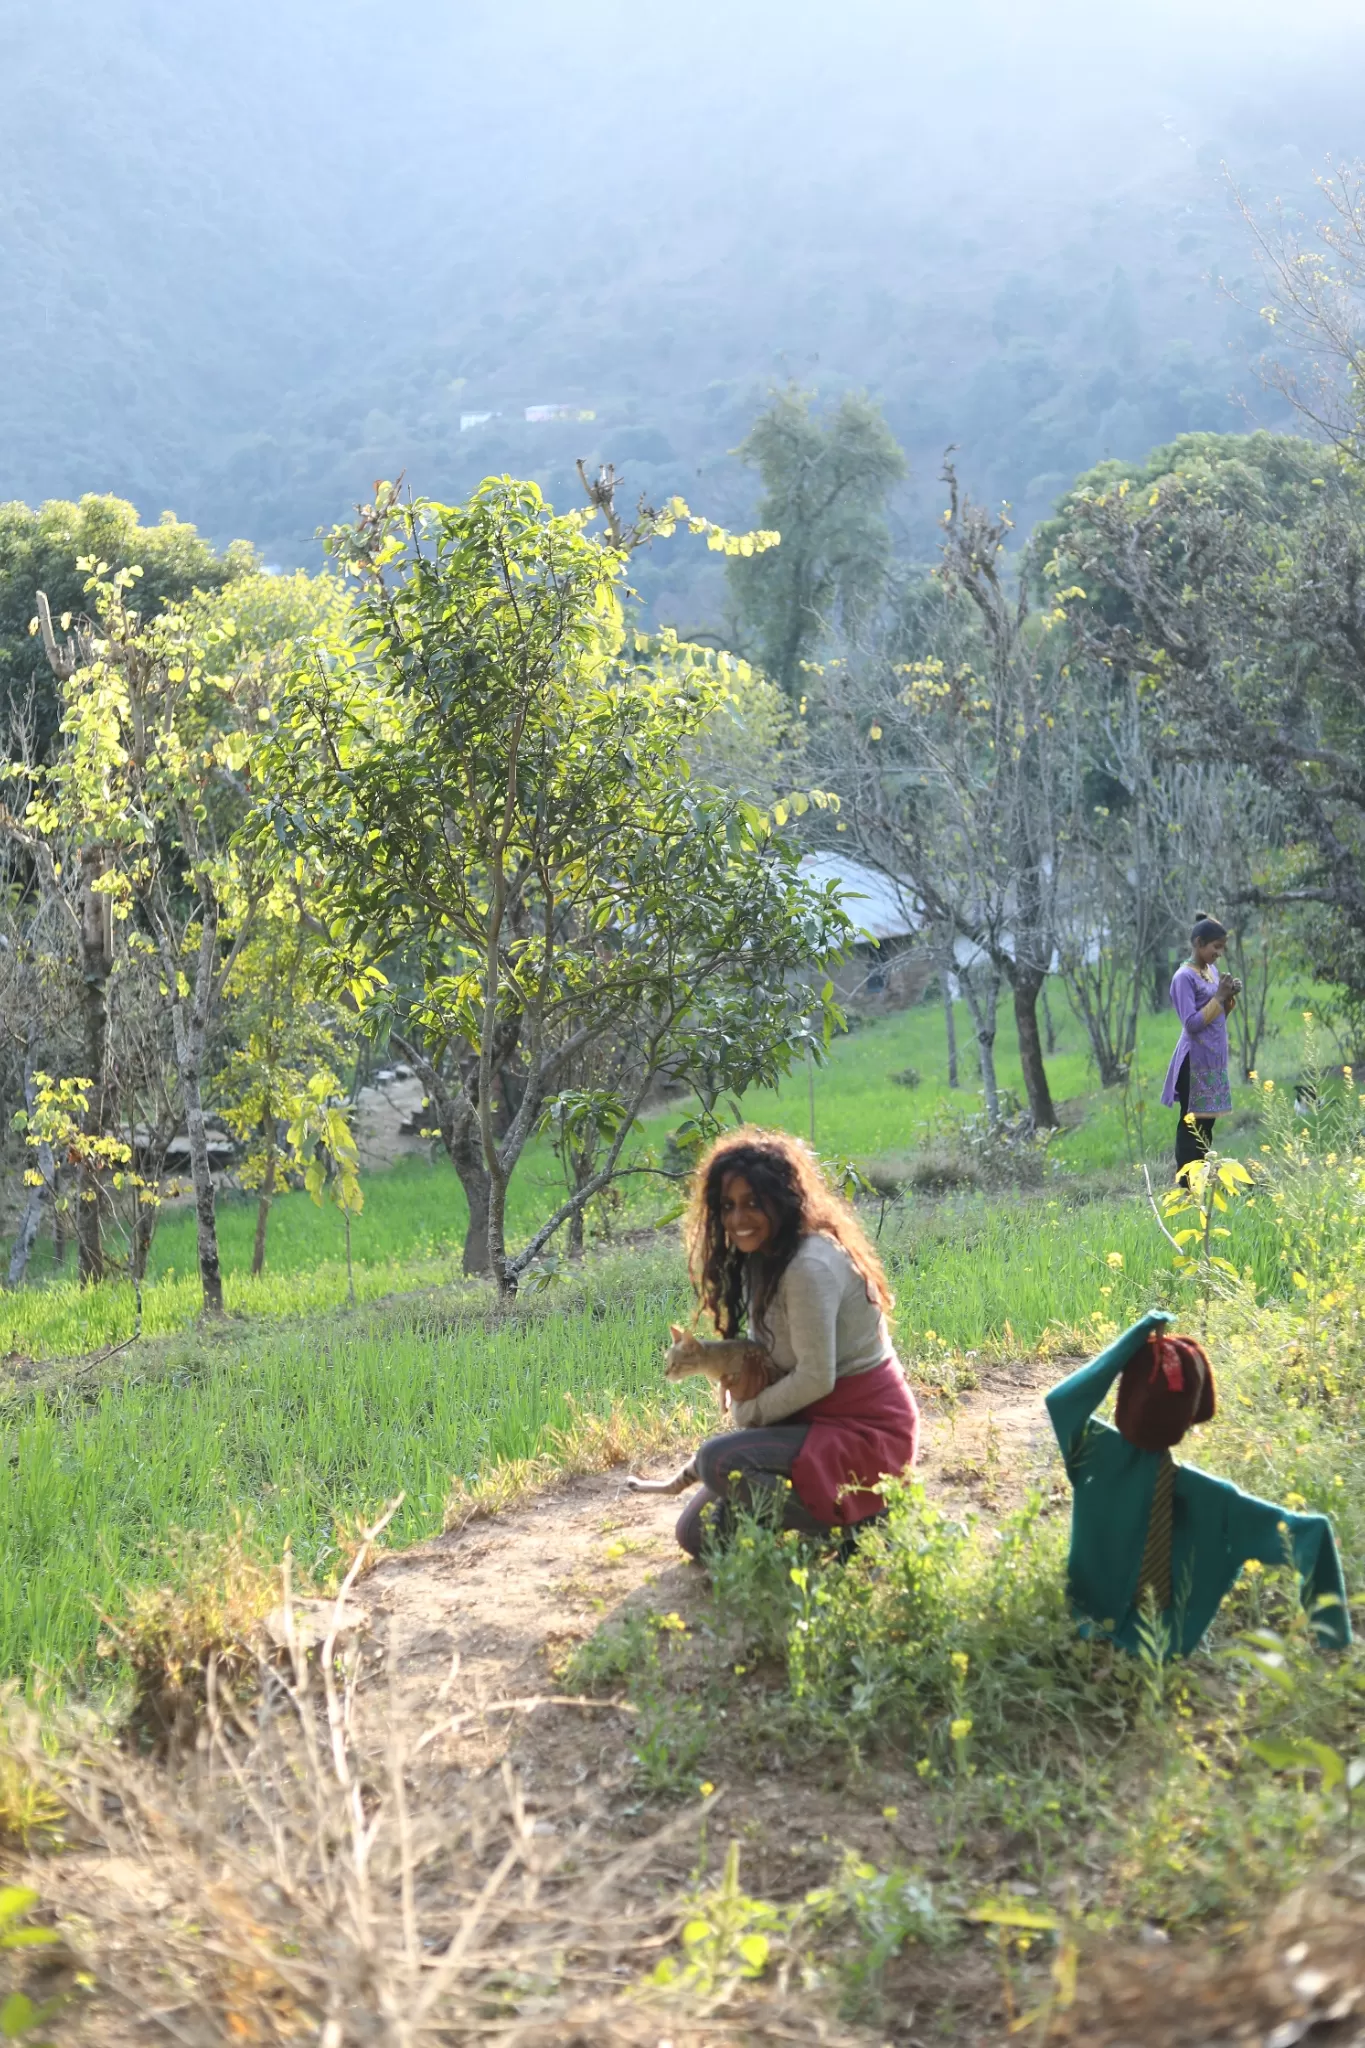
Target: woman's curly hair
[{"x": 793, "y": 1193}]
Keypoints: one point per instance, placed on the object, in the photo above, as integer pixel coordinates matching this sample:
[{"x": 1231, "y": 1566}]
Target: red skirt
[{"x": 866, "y": 1429}]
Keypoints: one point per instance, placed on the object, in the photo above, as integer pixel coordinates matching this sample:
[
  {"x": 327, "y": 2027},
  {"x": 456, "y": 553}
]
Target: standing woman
[
  {"x": 1198, "y": 1075},
  {"x": 773, "y": 1252}
]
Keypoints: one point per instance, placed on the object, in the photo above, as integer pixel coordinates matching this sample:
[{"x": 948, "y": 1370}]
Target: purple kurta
[{"x": 1206, "y": 1045}]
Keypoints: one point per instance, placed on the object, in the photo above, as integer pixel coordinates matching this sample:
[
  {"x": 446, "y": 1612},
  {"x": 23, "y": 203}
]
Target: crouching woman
[{"x": 776, "y": 1255}]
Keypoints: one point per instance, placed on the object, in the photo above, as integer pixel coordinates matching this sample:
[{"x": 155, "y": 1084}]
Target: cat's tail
[{"x": 679, "y": 1483}]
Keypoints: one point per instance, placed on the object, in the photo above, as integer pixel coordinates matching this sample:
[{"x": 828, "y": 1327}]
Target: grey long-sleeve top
[{"x": 820, "y": 1326}]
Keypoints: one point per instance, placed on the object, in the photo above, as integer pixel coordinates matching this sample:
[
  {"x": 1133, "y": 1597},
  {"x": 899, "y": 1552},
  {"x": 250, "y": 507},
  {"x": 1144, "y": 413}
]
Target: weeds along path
[
  {"x": 482, "y": 1615},
  {"x": 475, "y": 1627}
]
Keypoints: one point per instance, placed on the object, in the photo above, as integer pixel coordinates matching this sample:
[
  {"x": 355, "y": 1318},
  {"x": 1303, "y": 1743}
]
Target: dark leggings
[
  {"x": 1190, "y": 1143},
  {"x": 744, "y": 1469}
]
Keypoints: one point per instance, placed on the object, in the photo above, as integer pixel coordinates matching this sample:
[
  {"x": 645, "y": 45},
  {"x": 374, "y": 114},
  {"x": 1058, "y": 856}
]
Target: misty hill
[{"x": 255, "y": 259}]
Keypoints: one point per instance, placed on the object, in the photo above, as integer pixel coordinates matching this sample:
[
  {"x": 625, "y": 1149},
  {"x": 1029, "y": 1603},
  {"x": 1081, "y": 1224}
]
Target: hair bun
[{"x": 1202, "y": 917}]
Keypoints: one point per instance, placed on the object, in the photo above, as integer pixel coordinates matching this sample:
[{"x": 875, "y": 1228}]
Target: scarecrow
[{"x": 1149, "y": 1533}]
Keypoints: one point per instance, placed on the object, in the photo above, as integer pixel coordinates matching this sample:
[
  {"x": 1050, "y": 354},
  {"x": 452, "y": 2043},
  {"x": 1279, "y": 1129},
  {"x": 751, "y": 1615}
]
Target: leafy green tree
[
  {"x": 162, "y": 721},
  {"x": 490, "y": 773},
  {"x": 287, "y": 1034},
  {"x": 825, "y": 486},
  {"x": 40, "y": 550},
  {"x": 322, "y": 1145}
]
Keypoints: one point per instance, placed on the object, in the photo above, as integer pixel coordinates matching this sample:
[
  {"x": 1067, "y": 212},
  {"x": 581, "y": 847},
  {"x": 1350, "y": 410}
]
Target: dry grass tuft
[
  {"x": 1301, "y": 1978},
  {"x": 591, "y": 1443},
  {"x": 311, "y": 1873},
  {"x": 210, "y": 1618}
]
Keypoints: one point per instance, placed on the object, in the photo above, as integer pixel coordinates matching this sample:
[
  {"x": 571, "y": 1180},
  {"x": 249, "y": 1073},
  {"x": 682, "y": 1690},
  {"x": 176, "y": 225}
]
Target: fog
[{"x": 254, "y": 257}]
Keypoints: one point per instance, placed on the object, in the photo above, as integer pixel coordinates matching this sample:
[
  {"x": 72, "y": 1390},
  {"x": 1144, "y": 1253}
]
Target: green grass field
[
  {"x": 298, "y": 1417},
  {"x": 298, "y": 1429},
  {"x": 413, "y": 1224}
]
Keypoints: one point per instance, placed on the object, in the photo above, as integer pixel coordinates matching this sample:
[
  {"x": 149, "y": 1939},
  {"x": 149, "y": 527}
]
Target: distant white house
[
  {"x": 538, "y": 415},
  {"x": 874, "y": 902},
  {"x": 886, "y": 966},
  {"x": 887, "y": 910}
]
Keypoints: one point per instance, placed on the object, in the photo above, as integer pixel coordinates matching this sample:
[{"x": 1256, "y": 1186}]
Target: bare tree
[
  {"x": 979, "y": 978},
  {"x": 947, "y": 973},
  {"x": 1315, "y": 271},
  {"x": 87, "y": 911},
  {"x": 1232, "y": 586},
  {"x": 956, "y": 773},
  {"x": 22, "y": 1022},
  {"x": 1112, "y": 907}
]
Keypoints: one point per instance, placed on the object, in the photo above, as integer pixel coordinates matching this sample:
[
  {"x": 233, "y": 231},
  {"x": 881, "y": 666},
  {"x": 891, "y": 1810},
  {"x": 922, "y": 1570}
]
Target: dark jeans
[
  {"x": 743, "y": 1469},
  {"x": 1190, "y": 1144}
]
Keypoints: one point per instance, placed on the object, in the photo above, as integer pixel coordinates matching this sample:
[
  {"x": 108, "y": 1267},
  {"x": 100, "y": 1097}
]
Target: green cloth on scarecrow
[{"x": 1216, "y": 1527}]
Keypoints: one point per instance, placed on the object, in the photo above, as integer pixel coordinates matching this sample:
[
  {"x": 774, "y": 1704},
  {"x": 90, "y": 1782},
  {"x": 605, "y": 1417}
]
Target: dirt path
[
  {"x": 474, "y": 1627},
  {"x": 481, "y": 1615}
]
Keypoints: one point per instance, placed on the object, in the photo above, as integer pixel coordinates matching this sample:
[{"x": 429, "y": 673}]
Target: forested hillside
[{"x": 254, "y": 260}]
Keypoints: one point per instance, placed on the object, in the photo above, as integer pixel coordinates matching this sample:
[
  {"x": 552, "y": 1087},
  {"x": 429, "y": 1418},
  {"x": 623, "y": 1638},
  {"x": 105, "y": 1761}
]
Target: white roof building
[{"x": 877, "y": 905}]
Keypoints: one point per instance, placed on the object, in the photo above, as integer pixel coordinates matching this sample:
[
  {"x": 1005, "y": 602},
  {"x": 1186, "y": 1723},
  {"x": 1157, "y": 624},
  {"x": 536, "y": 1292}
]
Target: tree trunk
[
  {"x": 1048, "y": 1025},
  {"x": 949, "y": 1021},
  {"x": 982, "y": 1002},
  {"x": 1111, "y": 1069},
  {"x": 1110, "y": 1065},
  {"x": 496, "y": 1227},
  {"x": 1248, "y": 1027},
  {"x": 457, "y": 1120},
  {"x": 190, "y": 1021},
  {"x": 1027, "y": 988},
  {"x": 28, "y": 1234},
  {"x": 144, "y": 1230},
  {"x": 201, "y": 1173},
  {"x": 460, "y": 1130},
  {"x": 96, "y": 964},
  {"x": 582, "y": 1165},
  {"x": 1161, "y": 978},
  {"x": 476, "y": 1230},
  {"x": 263, "y": 1205}
]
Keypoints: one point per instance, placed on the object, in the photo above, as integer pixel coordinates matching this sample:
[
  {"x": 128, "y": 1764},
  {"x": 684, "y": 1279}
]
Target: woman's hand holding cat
[{"x": 745, "y": 1385}]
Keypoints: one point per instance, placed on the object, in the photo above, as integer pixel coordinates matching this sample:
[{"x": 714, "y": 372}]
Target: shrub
[
  {"x": 885, "y": 1181},
  {"x": 883, "y": 1911},
  {"x": 1009, "y": 1152},
  {"x": 931, "y": 1622},
  {"x": 967, "y": 1149},
  {"x": 940, "y": 1170}
]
